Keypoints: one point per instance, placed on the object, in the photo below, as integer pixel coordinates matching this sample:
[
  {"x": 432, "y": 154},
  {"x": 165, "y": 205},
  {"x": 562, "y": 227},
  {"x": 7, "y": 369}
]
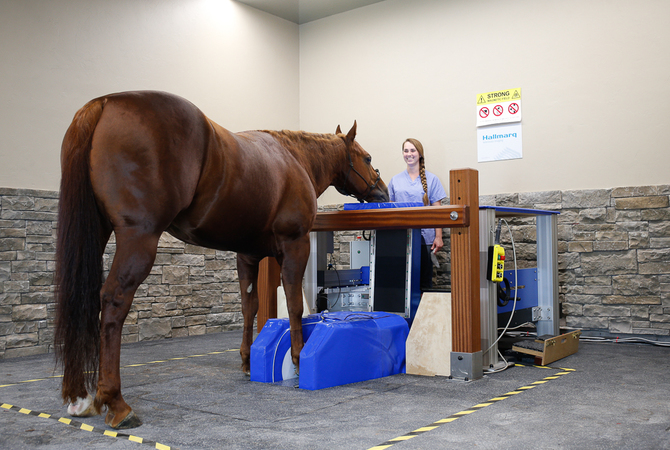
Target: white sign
[
  {"x": 499, "y": 142},
  {"x": 499, "y": 107}
]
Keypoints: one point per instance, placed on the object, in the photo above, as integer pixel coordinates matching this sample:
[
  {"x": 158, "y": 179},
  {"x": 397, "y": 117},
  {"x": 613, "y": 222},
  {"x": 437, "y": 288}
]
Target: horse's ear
[
  {"x": 338, "y": 130},
  {"x": 351, "y": 135}
]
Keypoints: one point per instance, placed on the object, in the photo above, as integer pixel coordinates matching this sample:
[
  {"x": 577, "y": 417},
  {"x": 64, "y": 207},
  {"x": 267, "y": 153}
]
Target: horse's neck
[
  {"x": 321, "y": 156},
  {"x": 325, "y": 165}
]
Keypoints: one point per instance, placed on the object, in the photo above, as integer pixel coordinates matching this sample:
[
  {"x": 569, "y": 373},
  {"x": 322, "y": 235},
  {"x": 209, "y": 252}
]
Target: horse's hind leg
[
  {"x": 135, "y": 255},
  {"x": 294, "y": 261},
  {"x": 247, "y": 271}
]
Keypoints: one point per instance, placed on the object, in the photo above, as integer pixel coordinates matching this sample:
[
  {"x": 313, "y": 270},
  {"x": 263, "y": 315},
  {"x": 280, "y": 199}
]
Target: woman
[{"x": 416, "y": 184}]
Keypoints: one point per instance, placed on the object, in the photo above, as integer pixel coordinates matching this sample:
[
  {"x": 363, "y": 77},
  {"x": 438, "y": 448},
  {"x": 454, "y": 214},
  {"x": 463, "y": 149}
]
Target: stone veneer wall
[
  {"x": 614, "y": 268},
  {"x": 613, "y": 255},
  {"x": 190, "y": 290}
]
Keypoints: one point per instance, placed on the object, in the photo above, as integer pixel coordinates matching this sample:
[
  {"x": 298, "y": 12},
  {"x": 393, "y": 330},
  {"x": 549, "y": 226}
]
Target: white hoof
[{"x": 83, "y": 407}]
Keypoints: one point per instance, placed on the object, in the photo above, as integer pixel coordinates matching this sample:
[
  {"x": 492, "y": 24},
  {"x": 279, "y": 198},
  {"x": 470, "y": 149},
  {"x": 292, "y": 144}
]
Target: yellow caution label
[{"x": 506, "y": 95}]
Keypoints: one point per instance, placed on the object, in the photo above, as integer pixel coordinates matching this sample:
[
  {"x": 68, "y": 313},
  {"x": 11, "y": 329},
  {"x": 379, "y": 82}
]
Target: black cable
[
  {"x": 497, "y": 238},
  {"x": 339, "y": 282}
]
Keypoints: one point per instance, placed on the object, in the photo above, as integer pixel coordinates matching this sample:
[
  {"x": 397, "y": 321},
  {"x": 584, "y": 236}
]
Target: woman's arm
[{"x": 437, "y": 243}]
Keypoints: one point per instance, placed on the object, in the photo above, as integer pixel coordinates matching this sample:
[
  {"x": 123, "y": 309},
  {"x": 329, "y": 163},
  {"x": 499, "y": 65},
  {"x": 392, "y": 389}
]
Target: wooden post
[
  {"x": 268, "y": 282},
  {"x": 466, "y": 326}
]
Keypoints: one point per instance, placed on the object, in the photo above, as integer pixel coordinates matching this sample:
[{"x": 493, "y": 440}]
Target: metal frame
[
  {"x": 546, "y": 223},
  {"x": 487, "y": 290},
  {"x": 408, "y": 274},
  {"x": 309, "y": 282},
  {"x": 547, "y": 274}
]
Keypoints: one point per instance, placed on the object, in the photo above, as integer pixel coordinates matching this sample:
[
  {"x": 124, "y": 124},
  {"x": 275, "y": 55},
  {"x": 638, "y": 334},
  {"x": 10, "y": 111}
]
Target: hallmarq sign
[
  {"x": 499, "y": 107},
  {"x": 499, "y": 142}
]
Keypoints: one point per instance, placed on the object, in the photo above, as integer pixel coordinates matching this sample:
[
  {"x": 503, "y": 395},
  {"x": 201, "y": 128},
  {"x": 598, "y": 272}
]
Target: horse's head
[{"x": 359, "y": 179}]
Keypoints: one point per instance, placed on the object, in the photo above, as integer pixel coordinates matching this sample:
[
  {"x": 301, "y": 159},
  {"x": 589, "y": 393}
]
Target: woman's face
[{"x": 410, "y": 154}]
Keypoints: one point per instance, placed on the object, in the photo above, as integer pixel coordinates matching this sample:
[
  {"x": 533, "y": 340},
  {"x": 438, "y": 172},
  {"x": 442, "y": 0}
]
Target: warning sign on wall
[{"x": 499, "y": 107}]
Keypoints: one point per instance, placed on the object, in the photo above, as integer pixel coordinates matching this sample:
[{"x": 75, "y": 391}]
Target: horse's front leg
[
  {"x": 135, "y": 254},
  {"x": 294, "y": 262},
  {"x": 247, "y": 271}
]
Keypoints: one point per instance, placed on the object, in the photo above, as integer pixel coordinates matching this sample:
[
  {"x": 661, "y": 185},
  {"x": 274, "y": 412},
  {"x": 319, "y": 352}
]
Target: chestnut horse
[{"x": 141, "y": 163}]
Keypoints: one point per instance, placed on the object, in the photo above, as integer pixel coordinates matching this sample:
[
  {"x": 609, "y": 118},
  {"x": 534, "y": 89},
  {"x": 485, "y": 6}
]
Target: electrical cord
[
  {"x": 625, "y": 340},
  {"x": 516, "y": 281},
  {"x": 527, "y": 324},
  {"x": 507, "y": 365},
  {"x": 594, "y": 339}
]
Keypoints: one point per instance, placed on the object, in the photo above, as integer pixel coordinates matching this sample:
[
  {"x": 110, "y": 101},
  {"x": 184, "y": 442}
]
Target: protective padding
[{"x": 340, "y": 348}]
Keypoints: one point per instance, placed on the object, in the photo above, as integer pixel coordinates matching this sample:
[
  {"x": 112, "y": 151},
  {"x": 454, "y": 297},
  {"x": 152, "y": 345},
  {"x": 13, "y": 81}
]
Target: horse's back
[
  {"x": 261, "y": 192},
  {"x": 158, "y": 163}
]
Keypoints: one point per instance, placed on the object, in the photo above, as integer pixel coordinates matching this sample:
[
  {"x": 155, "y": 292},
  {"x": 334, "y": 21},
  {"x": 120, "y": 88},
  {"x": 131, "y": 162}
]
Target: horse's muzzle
[{"x": 380, "y": 194}]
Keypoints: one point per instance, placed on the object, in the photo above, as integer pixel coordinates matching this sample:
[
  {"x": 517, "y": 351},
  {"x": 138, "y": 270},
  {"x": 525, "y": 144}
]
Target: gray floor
[{"x": 616, "y": 396}]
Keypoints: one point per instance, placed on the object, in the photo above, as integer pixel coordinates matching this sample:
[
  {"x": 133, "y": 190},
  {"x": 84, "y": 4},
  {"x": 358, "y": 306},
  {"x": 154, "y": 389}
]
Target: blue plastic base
[{"x": 340, "y": 348}]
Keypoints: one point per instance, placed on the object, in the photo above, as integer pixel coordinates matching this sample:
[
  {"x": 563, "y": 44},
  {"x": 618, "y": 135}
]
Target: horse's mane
[{"x": 293, "y": 140}]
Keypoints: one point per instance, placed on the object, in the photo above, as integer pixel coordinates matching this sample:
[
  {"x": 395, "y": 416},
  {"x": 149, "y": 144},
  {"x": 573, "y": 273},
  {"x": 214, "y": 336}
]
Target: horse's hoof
[
  {"x": 246, "y": 369},
  {"x": 83, "y": 407},
  {"x": 130, "y": 421}
]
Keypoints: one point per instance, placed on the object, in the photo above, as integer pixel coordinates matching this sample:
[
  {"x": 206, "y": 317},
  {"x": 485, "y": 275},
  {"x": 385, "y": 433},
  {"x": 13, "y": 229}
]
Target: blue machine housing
[
  {"x": 526, "y": 292},
  {"x": 340, "y": 348}
]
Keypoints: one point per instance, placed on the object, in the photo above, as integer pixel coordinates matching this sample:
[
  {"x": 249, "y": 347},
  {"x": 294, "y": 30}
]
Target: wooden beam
[
  {"x": 393, "y": 218},
  {"x": 268, "y": 282},
  {"x": 466, "y": 327}
]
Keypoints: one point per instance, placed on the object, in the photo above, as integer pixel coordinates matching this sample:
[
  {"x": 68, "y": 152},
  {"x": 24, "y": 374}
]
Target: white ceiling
[{"x": 303, "y": 11}]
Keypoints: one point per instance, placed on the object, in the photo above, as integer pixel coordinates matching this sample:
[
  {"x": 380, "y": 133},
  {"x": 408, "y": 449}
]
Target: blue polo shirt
[{"x": 403, "y": 189}]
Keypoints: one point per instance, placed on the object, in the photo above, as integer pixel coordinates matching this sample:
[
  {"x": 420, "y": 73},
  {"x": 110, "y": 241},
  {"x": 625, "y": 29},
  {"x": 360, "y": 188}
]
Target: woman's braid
[{"x": 424, "y": 183}]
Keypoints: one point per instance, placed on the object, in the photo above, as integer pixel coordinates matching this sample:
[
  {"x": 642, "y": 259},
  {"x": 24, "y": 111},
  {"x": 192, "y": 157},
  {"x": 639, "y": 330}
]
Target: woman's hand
[{"x": 437, "y": 244}]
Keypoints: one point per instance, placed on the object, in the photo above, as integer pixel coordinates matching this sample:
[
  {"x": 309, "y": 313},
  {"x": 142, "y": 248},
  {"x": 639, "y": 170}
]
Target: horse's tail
[{"x": 79, "y": 250}]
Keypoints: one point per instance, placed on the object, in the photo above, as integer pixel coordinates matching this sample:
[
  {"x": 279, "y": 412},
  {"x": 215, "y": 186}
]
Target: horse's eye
[{"x": 368, "y": 160}]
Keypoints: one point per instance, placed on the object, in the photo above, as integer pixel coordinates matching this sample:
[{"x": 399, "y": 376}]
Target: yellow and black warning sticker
[
  {"x": 86, "y": 427},
  {"x": 506, "y": 95},
  {"x": 471, "y": 410}
]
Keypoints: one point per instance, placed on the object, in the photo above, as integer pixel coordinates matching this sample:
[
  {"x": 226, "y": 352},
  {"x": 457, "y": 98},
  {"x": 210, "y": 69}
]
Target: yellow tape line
[
  {"x": 85, "y": 427},
  {"x": 471, "y": 410}
]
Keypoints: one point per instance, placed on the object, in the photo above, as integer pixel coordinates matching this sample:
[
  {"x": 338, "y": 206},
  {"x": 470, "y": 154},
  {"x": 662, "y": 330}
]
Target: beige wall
[
  {"x": 239, "y": 65},
  {"x": 594, "y": 79}
]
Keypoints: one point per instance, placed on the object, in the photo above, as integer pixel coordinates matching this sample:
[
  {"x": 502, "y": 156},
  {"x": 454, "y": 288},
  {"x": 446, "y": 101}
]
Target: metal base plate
[{"x": 466, "y": 366}]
